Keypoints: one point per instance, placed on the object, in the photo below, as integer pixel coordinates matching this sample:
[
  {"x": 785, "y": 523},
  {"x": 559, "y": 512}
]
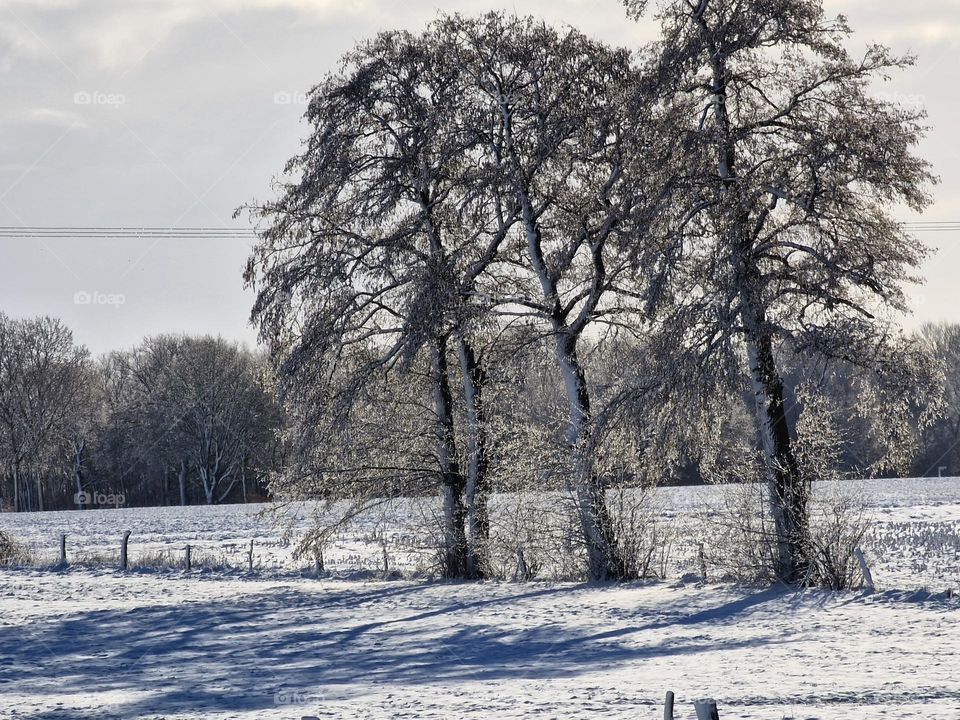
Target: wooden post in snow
[
  {"x": 706, "y": 709},
  {"x": 63, "y": 549},
  {"x": 250, "y": 557},
  {"x": 123, "y": 550},
  {"x": 186, "y": 556},
  {"x": 864, "y": 569},
  {"x": 668, "y": 706}
]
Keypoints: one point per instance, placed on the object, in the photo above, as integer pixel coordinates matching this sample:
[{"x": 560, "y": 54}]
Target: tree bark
[
  {"x": 182, "y": 481},
  {"x": 603, "y": 559},
  {"x": 786, "y": 486},
  {"x": 477, "y": 488},
  {"x": 451, "y": 479}
]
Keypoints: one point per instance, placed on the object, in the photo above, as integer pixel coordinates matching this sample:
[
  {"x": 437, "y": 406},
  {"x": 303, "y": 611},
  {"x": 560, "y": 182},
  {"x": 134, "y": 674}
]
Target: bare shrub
[
  {"x": 838, "y": 526},
  {"x": 535, "y": 534},
  {"x": 12, "y": 552},
  {"x": 741, "y": 542},
  {"x": 644, "y": 539},
  {"x": 837, "y": 519}
]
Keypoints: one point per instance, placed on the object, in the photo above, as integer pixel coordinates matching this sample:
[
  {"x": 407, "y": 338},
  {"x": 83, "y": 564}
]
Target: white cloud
[
  {"x": 895, "y": 22},
  {"x": 119, "y": 32}
]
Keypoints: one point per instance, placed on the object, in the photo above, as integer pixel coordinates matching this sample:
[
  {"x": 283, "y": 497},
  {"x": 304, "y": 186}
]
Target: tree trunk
[
  {"x": 477, "y": 484},
  {"x": 603, "y": 556},
  {"x": 15, "y": 471},
  {"x": 182, "y": 480},
  {"x": 27, "y": 493},
  {"x": 39, "y": 481},
  {"x": 78, "y": 472},
  {"x": 451, "y": 479},
  {"x": 786, "y": 485},
  {"x": 602, "y": 553}
]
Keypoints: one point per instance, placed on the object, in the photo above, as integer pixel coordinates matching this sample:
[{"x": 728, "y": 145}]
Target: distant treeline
[
  {"x": 173, "y": 421},
  {"x": 181, "y": 420}
]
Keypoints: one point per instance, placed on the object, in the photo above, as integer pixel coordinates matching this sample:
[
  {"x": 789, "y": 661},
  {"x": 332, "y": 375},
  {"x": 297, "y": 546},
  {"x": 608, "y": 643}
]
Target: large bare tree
[
  {"x": 485, "y": 169},
  {"x": 788, "y": 232},
  {"x": 573, "y": 127},
  {"x": 373, "y": 250}
]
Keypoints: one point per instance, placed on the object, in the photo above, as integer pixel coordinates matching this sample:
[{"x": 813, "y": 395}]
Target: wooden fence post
[
  {"x": 864, "y": 569},
  {"x": 63, "y": 548},
  {"x": 668, "y": 706},
  {"x": 706, "y": 709},
  {"x": 250, "y": 557},
  {"x": 123, "y": 550},
  {"x": 186, "y": 556}
]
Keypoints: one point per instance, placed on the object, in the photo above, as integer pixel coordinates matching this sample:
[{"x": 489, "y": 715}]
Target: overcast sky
[{"x": 173, "y": 112}]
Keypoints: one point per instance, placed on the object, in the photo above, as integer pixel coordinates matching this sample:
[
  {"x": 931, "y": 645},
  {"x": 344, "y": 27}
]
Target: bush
[
  {"x": 12, "y": 552},
  {"x": 837, "y": 528}
]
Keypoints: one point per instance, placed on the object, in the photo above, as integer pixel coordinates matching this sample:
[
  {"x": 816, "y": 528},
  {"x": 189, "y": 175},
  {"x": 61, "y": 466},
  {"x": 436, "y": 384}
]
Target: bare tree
[
  {"x": 375, "y": 251},
  {"x": 787, "y": 233},
  {"x": 486, "y": 169},
  {"x": 194, "y": 409},
  {"x": 41, "y": 381},
  {"x": 940, "y": 441},
  {"x": 572, "y": 125}
]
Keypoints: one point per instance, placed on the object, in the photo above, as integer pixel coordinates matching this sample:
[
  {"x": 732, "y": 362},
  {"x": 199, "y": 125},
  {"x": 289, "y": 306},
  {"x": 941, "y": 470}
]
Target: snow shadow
[{"x": 305, "y": 647}]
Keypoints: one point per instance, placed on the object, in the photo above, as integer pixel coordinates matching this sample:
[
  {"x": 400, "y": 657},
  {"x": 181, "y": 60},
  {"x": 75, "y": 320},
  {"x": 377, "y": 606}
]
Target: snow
[
  {"x": 914, "y": 541},
  {"x": 106, "y": 645},
  {"x": 92, "y": 642}
]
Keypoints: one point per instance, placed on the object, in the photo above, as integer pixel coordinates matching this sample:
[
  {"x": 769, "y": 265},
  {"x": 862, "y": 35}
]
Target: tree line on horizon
[
  {"x": 176, "y": 420},
  {"x": 140, "y": 423}
]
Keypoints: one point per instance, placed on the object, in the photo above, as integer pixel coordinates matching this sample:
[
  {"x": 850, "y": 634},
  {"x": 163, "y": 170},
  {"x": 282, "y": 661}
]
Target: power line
[
  {"x": 124, "y": 233},
  {"x": 228, "y": 233}
]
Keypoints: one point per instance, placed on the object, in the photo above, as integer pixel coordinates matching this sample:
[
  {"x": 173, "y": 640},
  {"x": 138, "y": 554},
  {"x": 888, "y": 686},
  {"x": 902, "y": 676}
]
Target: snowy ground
[
  {"x": 218, "y": 643},
  {"x": 85, "y": 645},
  {"x": 914, "y": 541}
]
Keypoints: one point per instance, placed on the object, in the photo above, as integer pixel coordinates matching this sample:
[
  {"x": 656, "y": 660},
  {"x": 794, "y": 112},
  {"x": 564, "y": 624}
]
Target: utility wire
[
  {"x": 227, "y": 233},
  {"x": 188, "y": 233}
]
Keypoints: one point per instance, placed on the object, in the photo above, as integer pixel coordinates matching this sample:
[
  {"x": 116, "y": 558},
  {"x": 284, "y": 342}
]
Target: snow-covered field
[
  {"x": 914, "y": 540},
  {"x": 102, "y": 645},
  {"x": 91, "y": 642}
]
